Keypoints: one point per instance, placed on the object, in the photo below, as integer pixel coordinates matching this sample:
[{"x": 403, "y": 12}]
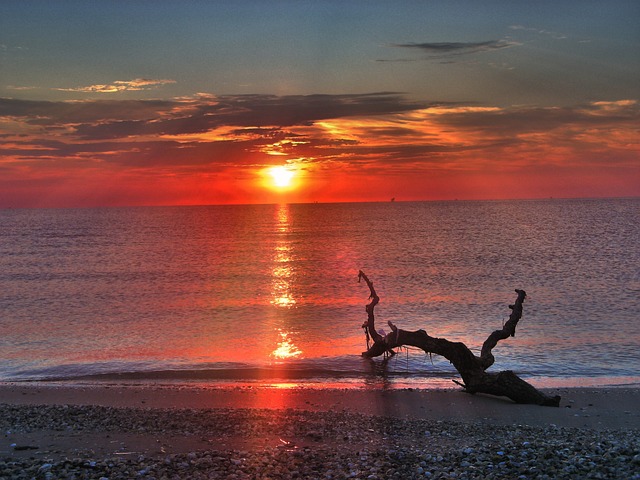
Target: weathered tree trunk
[{"x": 471, "y": 368}]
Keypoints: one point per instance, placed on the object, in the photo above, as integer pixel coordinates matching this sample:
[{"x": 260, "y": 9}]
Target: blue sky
[{"x": 554, "y": 51}]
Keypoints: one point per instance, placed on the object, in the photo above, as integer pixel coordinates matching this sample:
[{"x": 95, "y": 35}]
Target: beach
[{"x": 184, "y": 431}]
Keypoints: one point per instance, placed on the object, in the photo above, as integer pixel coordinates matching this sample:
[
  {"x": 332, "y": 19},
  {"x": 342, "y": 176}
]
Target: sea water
[{"x": 268, "y": 294}]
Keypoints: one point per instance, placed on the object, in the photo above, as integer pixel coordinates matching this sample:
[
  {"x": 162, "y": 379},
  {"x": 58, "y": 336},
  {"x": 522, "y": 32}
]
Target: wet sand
[{"x": 597, "y": 408}]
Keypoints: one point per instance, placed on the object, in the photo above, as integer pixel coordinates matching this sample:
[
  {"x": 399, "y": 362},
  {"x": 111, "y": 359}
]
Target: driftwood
[{"x": 472, "y": 368}]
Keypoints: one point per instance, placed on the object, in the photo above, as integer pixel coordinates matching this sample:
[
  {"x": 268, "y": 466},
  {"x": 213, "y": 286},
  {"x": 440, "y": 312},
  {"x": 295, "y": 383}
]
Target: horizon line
[{"x": 393, "y": 200}]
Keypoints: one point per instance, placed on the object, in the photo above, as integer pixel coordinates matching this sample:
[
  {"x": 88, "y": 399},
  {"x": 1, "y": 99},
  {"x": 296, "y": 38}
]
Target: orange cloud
[
  {"x": 134, "y": 85},
  {"x": 343, "y": 148}
]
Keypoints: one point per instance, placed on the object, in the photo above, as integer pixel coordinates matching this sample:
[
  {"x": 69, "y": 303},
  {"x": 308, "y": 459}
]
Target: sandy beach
[{"x": 164, "y": 431}]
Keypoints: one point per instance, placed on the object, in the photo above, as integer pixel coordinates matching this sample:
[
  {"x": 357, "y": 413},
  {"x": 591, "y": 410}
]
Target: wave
[
  {"x": 346, "y": 372},
  {"x": 319, "y": 370}
]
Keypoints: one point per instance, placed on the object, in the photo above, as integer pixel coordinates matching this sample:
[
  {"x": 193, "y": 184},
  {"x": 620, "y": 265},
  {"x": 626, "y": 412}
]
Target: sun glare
[{"x": 281, "y": 176}]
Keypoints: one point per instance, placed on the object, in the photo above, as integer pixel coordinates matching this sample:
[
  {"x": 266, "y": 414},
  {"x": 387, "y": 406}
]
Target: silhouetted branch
[
  {"x": 470, "y": 367},
  {"x": 509, "y": 330},
  {"x": 379, "y": 345}
]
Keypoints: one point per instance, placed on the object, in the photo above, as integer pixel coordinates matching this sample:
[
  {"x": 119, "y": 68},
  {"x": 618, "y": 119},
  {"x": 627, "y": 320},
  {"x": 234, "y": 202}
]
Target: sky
[{"x": 112, "y": 103}]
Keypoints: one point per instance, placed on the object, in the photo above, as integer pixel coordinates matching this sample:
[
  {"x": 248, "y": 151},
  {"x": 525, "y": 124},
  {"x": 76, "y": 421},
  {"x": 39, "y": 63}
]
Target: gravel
[{"x": 312, "y": 445}]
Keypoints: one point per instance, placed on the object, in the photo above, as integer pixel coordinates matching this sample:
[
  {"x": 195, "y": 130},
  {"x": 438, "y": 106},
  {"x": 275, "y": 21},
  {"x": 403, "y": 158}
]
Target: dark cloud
[
  {"x": 56, "y": 113},
  {"x": 443, "y": 50},
  {"x": 389, "y": 129},
  {"x": 130, "y": 132},
  {"x": 139, "y": 154},
  {"x": 448, "y": 47},
  {"x": 257, "y": 111},
  {"x": 537, "y": 119}
]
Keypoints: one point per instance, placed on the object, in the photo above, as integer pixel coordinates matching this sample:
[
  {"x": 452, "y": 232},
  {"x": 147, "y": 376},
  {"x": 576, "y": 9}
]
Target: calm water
[{"x": 269, "y": 294}]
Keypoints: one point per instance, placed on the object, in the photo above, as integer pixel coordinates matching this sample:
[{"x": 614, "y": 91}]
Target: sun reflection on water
[
  {"x": 282, "y": 271},
  {"x": 283, "y": 275},
  {"x": 286, "y": 348}
]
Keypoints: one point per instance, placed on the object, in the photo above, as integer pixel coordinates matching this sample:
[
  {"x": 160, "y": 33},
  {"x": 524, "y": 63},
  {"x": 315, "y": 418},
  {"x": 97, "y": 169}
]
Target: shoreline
[
  {"x": 167, "y": 431},
  {"x": 585, "y": 407}
]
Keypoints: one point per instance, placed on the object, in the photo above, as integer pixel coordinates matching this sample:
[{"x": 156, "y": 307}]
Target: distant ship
[{"x": 393, "y": 199}]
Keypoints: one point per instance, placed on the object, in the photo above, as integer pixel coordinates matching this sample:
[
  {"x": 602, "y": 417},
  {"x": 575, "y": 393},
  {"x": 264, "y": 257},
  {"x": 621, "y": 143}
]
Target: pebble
[{"x": 339, "y": 445}]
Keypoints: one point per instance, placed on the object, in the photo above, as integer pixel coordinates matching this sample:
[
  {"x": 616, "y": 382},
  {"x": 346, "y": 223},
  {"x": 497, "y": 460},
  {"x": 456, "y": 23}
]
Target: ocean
[{"x": 269, "y": 294}]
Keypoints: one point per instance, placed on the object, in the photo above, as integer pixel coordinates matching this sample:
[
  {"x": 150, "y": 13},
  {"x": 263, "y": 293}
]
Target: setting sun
[{"x": 281, "y": 176}]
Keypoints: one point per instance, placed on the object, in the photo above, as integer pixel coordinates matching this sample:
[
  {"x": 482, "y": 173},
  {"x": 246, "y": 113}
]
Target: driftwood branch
[
  {"x": 369, "y": 326},
  {"x": 509, "y": 330},
  {"x": 471, "y": 368}
]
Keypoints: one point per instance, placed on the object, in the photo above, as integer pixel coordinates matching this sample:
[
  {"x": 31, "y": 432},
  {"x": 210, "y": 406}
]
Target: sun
[
  {"x": 283, "y": 179},
  {"x": 281, "y": 176}
]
